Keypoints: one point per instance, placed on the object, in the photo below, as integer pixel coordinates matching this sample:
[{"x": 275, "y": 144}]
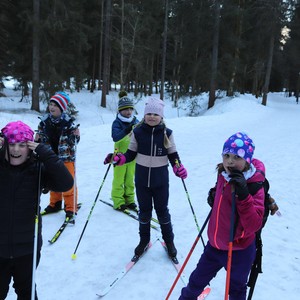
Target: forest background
[{"x": 181, "y": 47}]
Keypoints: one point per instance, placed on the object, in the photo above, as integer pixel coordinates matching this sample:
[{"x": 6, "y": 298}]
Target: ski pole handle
[{"x": 112, "y": 158}]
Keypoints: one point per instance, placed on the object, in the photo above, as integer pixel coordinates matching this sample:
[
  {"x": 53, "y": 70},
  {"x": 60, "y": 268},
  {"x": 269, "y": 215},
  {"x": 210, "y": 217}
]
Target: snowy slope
[{"x": 110, "y": 237}]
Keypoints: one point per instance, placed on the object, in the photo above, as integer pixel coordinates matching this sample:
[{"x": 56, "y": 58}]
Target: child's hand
[
  {"x": 241, "y": 188},
  {"x": 76, "y": 132},
  {"x": 211, "y": 196},
  {"x": 108, "y": 158},
  {"x": 180, "y": 171},
  {"x": 119, "y": 159},
  {"x": 273, "y": 207},
  {"x": 32, "y": 145}
]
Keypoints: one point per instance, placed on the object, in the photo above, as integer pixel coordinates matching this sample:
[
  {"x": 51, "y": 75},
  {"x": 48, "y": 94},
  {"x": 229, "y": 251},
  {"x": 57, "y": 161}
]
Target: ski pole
[
  {"x": 91, "y": 211},
  {"x": 75, "y": 192},
  {"x": 189, "y": 255},
  {"x": 229, "y": 258},
  {"x": 36, "y": 230},
  {"x": 189, "y": 200}
]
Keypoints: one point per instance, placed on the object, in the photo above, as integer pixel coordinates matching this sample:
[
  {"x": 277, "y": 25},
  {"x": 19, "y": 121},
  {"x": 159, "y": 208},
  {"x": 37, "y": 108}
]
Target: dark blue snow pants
[
  {"x": 159, "y": 197},
  {"x": 211, "y": 261}
]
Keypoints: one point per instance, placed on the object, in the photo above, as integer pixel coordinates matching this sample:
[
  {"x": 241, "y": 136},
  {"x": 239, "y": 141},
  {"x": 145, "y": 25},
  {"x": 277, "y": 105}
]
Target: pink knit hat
[
  {"x": 154, "y": 106},
  {"x": 17, "y": 132}
]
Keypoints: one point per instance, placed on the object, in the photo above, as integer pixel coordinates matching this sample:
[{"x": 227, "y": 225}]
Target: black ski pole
[
  {"x": 191, "y": 206},
  {"x": 91, "y": 211},
  {"x": 256, "y": 267}
]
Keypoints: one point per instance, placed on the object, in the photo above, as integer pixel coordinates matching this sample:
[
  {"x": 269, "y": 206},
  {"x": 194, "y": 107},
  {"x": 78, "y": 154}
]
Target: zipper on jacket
[
  {"x": 218, "y": 215},
  {"x": 151, "y": 154}
]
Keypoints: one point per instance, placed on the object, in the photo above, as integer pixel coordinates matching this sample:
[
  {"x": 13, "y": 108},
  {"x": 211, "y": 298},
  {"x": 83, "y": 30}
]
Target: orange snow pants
[{"x": 70, "y": 196}]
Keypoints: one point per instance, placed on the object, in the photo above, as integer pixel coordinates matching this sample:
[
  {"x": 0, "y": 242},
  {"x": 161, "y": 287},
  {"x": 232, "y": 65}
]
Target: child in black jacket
[
  {"x": 23, "y": 176},
  {"x": 152, "y": 145}
]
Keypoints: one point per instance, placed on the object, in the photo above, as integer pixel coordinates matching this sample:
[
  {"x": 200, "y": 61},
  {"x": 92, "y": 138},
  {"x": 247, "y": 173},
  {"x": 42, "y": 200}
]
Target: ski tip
[
  {"x": 204, "y": 294},
  {"x": 135, "y": 258},
  {"x": 74, "y": 256},
  {"x": 174, "y": 260}
]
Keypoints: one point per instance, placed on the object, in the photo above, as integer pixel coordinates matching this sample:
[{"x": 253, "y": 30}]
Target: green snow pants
[{"x": 123, "y": 184}]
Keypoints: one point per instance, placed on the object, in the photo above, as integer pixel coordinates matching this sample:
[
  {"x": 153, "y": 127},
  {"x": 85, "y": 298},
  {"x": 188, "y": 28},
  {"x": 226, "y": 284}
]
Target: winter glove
[
  {"x": 211, "y": 197},
  {"x": 119, "y": 159},
  {"x": 130, "y": 126},
  {"x": 180, "y": 171},
  {"x": 108, "y": 158},
  {"x": 128, "y": 129},
  {"x": 273, "y": 207},
  {"x": 241, "y": 188}
]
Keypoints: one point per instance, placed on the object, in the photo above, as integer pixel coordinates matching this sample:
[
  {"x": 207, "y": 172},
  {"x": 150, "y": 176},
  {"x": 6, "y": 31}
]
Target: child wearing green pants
[{"x": 122, "y": 192}]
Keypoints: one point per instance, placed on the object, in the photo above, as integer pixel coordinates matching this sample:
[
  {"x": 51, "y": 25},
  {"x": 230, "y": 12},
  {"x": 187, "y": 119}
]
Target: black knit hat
[{"x": 125, "y": 103}]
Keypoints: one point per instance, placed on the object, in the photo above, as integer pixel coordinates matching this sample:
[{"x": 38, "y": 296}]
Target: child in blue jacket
[{"x": 122, "y": 192}]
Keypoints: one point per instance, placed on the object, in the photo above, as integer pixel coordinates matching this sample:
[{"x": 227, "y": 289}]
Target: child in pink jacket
[{"x": 238, "y": 169}]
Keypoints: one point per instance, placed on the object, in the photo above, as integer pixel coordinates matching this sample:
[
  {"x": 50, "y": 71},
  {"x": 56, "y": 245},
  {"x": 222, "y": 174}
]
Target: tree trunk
[
  {"x": 164, "y": 53},
  {"x": 269, "y": 68},
  {"x": 151, "y": 76},
  {"x": 106, "y": 58},
  {"x": 93, "y": 85},
  {"x": 35, "y": 105},
  {"x": 214, "y": 63},
  {"x": 122, "y": 49},
  {"x": 239, "y": 29},
  {"x": 101, "y": 47}
]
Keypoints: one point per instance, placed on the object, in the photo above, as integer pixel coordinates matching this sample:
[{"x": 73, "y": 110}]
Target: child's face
[
  {"x": 54, "y": 109},
  {"x": 232, "y": 161},
  {"x": 152, "y": 119},
  {"x": 18, "y": 153},
  {"x": 126, "y": 113}
]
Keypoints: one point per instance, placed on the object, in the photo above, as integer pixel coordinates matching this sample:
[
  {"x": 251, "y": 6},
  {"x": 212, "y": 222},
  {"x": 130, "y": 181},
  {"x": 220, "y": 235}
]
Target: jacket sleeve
[
  {"x": 251, "y": 211},
  {"x": 173, "y": 158},
  {"x": 118, "y": 131},
  {"x": 69, "y": 132},
  {"x": 56, "y": 176}
]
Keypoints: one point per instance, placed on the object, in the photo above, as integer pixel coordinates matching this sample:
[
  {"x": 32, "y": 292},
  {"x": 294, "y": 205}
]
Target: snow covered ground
[{"x": 110, "y": 237}]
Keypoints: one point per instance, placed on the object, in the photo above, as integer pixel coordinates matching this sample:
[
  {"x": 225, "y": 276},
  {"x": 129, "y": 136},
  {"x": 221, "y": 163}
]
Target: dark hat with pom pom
[
  {"x": 125, "y": 103},
  {"x": 122, "y": 93}
]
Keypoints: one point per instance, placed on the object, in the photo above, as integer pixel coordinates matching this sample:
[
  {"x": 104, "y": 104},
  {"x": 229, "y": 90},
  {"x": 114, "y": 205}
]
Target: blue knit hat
[{"x": 240, "y": 144}]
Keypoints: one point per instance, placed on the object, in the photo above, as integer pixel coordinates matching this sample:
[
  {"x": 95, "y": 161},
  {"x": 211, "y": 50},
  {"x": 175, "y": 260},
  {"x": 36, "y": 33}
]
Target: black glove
[
  {"x": 211, "y": 197},
  {"x": 128, "y": 128},
  {"x": 130, "y": 125},
  {"x": 241, "y": 188},
  {"x": 108, "y": 158}
]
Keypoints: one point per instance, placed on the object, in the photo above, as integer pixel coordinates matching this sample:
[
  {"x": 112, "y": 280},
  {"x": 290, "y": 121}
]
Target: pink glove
[
  {"x": 119, "y": 159},
  {"x": 180, "y": 171},
  {"x": 108, "y": 158}
]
